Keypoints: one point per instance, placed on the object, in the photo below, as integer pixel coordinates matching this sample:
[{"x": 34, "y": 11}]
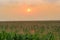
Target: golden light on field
[{"x": 28, "y": 9}]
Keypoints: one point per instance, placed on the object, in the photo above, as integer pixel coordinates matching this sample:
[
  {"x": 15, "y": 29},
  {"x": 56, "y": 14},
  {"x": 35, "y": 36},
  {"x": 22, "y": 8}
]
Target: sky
[{"x": 16, "y": 10}]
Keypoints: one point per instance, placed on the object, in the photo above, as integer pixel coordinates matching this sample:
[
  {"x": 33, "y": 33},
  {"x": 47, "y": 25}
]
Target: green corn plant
[{"x": 49, "y": 36}]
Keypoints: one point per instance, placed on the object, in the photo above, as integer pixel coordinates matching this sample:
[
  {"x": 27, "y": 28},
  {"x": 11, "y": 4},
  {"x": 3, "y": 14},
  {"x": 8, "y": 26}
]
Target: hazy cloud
[{"x": 29, "y": 1}]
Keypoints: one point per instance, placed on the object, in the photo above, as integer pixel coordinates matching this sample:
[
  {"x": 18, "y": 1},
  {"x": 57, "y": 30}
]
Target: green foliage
[
  {"x": 30, "y": 32},
  {"x": 14, "y": 36}
]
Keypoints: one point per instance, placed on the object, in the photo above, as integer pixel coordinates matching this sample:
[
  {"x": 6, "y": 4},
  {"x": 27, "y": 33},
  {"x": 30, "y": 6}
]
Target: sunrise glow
[
  {"x": 29, "y": 10},
  {"x": 16, "y": 10}
]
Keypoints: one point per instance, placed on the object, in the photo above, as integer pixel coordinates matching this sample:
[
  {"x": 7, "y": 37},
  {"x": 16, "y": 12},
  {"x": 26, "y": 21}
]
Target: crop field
[{"x": 30, "y": 30}]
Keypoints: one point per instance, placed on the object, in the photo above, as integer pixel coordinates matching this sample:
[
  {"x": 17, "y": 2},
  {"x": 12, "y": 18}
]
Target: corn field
[{"x": 30, "y": 30}]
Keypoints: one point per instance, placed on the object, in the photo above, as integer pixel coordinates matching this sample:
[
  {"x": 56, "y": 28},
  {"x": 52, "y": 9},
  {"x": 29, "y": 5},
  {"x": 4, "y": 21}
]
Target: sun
[{"x": 28, "y": 9}]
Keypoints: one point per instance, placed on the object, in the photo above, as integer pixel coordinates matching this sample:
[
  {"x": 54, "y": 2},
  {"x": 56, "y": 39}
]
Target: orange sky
[{"x": 43, "y": 11}]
